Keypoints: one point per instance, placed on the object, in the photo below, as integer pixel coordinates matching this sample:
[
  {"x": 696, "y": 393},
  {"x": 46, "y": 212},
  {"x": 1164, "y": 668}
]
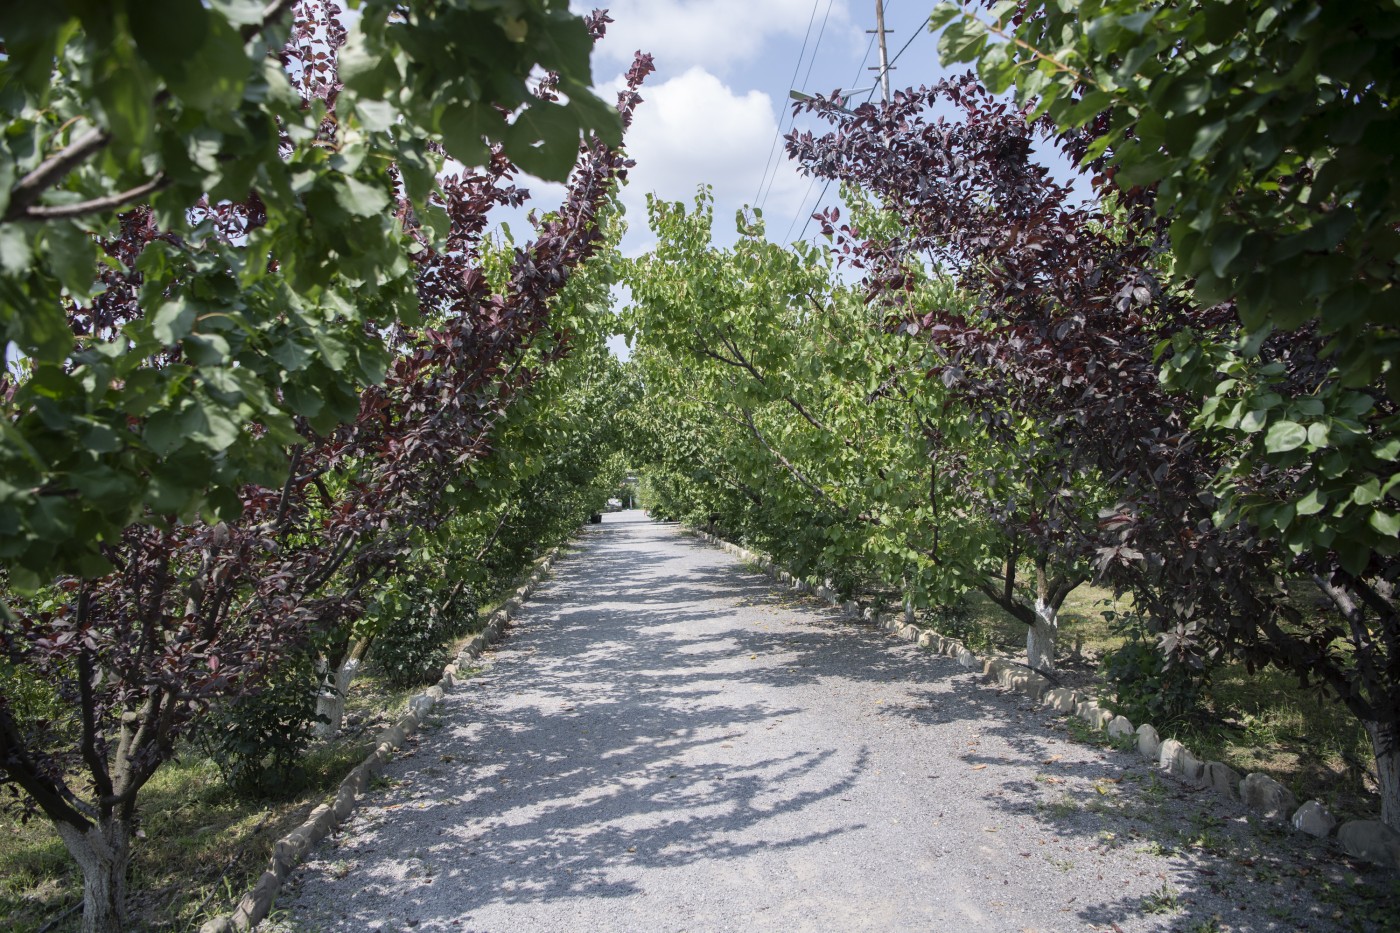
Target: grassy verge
[
  {"x": 204, "y": 846},
  {"x": 1261, "y": 721}
]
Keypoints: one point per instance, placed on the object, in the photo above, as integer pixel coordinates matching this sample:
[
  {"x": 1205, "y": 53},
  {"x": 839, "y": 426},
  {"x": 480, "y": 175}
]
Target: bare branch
[
  {"x": 95, "y": 206},
  {"x": 29, "y": 189}
]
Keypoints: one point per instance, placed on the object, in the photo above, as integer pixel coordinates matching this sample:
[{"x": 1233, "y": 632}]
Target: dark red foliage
[
  {"x": 197, "y": 612},
  {"x": 1073, "y": 305}
]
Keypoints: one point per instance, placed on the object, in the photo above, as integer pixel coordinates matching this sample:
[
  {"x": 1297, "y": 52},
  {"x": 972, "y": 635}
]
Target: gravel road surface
[{"x": 667, "y": 741}]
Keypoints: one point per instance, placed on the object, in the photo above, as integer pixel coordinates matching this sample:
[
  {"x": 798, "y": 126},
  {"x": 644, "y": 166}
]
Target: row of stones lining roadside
[
  {"x": 290, "y": 849},
  {"x": 1369, "y": 840}
]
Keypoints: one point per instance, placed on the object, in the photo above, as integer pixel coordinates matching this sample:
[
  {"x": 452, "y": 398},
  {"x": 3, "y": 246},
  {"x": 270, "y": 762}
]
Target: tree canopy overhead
[{"x": 262, "y": 351}]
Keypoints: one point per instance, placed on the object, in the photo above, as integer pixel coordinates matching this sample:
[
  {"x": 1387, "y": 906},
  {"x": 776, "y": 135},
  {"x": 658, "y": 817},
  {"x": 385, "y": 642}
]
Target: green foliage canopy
[
  {"x": 1267, "y": 133},
  {"x": 275, "y": 264}
]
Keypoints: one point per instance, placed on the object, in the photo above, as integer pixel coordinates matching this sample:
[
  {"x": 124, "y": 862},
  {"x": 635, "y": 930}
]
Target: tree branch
[
  {"x": 47, "y": 790},
  {"x": 788, "y": 464},
  {"x": 31, "y": 187},
  {"x": 95, "y": 206},
  {"x": 287, "y": 489},
  {"x": 96, "y": 763}
]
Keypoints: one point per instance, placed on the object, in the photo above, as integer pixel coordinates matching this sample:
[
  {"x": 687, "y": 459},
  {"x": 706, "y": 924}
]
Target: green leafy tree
[
  {"x": 787, "y": 411},
  {"x": 1263, "y": 133},
  {"x": 222, "y": 225}
]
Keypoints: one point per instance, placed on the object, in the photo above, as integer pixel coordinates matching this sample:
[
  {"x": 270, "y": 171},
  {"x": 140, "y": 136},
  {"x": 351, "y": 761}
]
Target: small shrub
[
  {"x": 957, "y": 620},
  {"x": 1148, "y": 688},
  {"x": 1164, "y": 900},
  {"x": 412, "y": 648},
  {"x": 257, "y": 741}
]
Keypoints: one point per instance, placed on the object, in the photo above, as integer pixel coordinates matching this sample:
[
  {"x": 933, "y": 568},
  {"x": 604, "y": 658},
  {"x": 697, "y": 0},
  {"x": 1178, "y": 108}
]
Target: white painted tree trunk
[
  {"x": 1040, "y": 637},
  {"x": 330, "y": 703},
  {"x": 1385, "y": 742},
  {"x": 103, "y": 853}
]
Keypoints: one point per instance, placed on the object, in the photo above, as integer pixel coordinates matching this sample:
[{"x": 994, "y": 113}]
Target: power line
[
  {"x": 807, "y": 78},
  {"x": 860, "y": 69},
  {"x": 914, "y": 35},
  {"x": 778, "y": 132},
  {"x": 777, "y": 163}
]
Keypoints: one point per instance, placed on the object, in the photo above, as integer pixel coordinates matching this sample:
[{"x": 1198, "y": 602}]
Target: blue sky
[
  {"x": 718, "y": 101},
  {"x": 714, "y": 106}
]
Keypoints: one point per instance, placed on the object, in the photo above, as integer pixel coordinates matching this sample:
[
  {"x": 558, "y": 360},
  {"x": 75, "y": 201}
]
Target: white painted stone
[
  {"x": 1119, "y": 727},
  {"x": 1267, "y": 797},
  {"x": 1371, "y": 841},
  {"x": 1166, "y": 753},
  {"x": 969, "y": 660},
  {"x": 1030, "y": 683},
  {"x": 1314, "y": 819},
  {"x": 1185, "y": 765},
  {"x": 1061, "y": 699},
  {"x": 1093, "y": 714},
  {"x": 1222, "y": 779},
  {"x": 1149, "y": 743}
]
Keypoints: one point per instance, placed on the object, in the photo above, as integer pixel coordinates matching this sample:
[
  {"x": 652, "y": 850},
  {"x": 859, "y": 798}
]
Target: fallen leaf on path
[
  {"x": 978, "y": 767},
  {"x": 1053, "y": 758}
]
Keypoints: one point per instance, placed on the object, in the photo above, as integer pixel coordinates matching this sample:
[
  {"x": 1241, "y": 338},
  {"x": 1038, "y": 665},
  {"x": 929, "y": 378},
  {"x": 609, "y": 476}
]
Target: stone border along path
[
  {"x": 667, "y": 742},
  {"x": 1369, "y": 840},
  {"x": 288, "y": 851}
]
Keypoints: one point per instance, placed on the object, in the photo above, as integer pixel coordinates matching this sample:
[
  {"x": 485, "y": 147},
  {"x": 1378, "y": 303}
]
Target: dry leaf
[{"x": 978, "y": 767}]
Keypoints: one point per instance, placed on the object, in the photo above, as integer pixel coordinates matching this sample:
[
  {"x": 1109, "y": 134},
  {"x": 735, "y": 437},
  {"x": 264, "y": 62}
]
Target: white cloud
[
  {"x": 713, "y": 33},
  {"x": 694, "y": 130}
]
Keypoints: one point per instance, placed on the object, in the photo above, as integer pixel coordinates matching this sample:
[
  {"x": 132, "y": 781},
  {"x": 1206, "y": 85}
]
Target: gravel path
[{"x": 667, "y": 742}]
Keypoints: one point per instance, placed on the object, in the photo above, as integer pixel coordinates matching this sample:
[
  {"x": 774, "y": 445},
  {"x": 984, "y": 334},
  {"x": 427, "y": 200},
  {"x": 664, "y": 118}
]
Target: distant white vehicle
[{"x": 614, "y": 504}]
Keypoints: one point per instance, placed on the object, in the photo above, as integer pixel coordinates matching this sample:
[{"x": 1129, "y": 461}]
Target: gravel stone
[{"x": 668, "y": 743}]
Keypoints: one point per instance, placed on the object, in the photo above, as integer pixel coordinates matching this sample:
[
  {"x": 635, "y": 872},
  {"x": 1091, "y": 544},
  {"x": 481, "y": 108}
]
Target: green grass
[
  {"x": 1082, "y": 625},
  {"x": 1261, "y": 721},
  {"x": 1265, "y": 722},
  {"x": 204, "y": 845}
]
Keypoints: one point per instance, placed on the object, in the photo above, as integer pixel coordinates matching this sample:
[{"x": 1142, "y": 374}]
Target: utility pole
[{"x": 884, "y": 52}]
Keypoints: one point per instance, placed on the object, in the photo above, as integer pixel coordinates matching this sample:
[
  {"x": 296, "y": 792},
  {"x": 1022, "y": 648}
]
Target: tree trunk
[
  {"x": 330, "y": 702},
  {"x": 1385, "y": 741},
  {"x": 103, "y": 853},
  {"x": 1040, "y": 636}
]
